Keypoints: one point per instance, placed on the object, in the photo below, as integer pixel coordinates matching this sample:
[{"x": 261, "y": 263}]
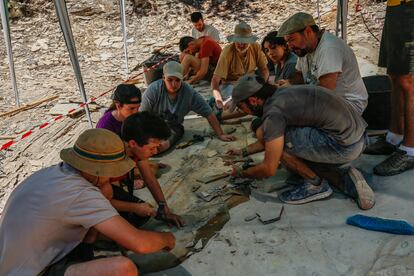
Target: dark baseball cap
[
  {"x": 124, "y": 93},
  {"x": 245, "y": 87}
]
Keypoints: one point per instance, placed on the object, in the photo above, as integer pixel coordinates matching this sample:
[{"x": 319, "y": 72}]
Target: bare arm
[
  {"x": 141, "y": 209},
  {"x": 150, "y": 180},
  {"x": 202, "y": 71},
  {"x": 215, "y": 86},
  {"x": 268, "y": 168},
  {"x": 329, "y": 80},
  {"x": 139, "y": 241},
  {"x": 156, "y": 191},
  {"x": 265, "y": 73},
  {"x": 250, "y": 149},
  {"x": 214, "y": 123}
]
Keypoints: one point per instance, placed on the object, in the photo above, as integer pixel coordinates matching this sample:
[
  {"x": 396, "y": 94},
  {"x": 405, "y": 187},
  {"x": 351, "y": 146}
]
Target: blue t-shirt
[{"x": 157, "y": 100}]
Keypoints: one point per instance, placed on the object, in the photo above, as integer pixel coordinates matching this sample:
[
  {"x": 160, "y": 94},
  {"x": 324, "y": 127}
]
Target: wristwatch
[
  {"x": 161, "y": 210},
  {"x": 161, "y": 204}
]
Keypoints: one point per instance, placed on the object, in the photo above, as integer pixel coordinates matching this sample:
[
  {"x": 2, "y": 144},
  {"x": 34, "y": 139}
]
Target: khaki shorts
[{"x": 397, "y": 42}]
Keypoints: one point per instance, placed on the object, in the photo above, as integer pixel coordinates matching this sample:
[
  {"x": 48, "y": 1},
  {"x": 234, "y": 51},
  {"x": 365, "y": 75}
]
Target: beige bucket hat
[
  {"x": 98, "y": 152},
  {"x": 242, "y": 34}
]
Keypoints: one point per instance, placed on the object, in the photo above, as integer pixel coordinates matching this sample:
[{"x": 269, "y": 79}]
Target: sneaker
[
  {"x": 380, "y": 147},
  {"x": 306, "y": 193},
  {"x": 357, "y": 187},
  {"x": 396, "y": 163}
]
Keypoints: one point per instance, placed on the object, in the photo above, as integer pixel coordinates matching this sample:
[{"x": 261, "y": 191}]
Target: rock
[
  {"x": 118, "y": 45},
  {"x": 106, "y": 56},
  {"x": 250, "y": 217},
  {"x": 199, "y": 245},
  {"x": 211, "y": 153},
  {"x": 100, "y": 39},
  {"x": 258, "y": 240},
  {"x": 270, "y": 212},
  {"x": 117, "y": 39}
]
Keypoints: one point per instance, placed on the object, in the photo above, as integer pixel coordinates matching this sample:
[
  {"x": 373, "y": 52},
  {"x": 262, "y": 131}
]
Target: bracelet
[
  {"x": 238, "y": 171},
  {"x": 245, "y": 152}
]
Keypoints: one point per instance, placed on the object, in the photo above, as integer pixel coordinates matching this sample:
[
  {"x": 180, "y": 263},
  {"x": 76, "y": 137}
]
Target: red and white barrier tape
[{"x": 28, "y": 133}]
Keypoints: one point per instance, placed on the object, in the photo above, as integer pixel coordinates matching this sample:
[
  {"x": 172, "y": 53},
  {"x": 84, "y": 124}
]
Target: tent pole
[
  {"x": 64, "y": 22},
  {"x": 125, "y": 35},
  {"x": 7, "y": 39}
]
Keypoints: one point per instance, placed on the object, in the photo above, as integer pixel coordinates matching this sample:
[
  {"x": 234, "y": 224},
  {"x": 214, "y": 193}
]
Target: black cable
[{"x": 366, "y": 26}]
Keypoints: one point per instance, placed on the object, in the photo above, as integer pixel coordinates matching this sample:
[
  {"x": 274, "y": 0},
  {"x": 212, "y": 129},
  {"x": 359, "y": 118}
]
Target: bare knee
[
  {"x": 186, "y": 60},
  {"x": 124, "y": 266}
]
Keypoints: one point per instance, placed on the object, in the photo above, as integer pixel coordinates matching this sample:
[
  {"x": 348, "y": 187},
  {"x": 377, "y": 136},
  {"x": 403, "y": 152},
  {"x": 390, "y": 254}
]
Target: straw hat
[
  {"x": 242, "y": 34},
  {"x": 98, "y": 152}
]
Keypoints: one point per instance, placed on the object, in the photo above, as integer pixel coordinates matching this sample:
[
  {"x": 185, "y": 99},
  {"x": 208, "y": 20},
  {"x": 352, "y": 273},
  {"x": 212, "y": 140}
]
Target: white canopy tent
[{"x": 61, "y": 10}]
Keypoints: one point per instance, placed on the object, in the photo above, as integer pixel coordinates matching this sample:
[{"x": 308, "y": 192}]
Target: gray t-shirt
[
  {"x": 334, "y": 55},
  {"x": 46, "y": 216},
  {"x": 289, "y": 69},
  {"x": 157, "y": 100},
  {"x": 312, "y": 106},
  {"x": 208, "y": 31}
]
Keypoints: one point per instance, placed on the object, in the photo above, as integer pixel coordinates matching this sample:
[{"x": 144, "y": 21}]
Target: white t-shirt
[
  {"x": 208, "y": 31},
  {"x": 334, "y": 55},
  {"x": 46, "y": 216}
]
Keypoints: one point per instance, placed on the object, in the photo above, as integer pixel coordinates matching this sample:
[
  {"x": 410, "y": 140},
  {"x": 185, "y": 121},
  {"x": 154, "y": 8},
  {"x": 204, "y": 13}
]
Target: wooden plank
[
  {"x": 28, "y": 106},
  {"x": 7, "y": 137}
]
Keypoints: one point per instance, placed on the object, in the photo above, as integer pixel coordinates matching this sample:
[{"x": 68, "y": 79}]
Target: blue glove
[{"x": 400, "y": 227}]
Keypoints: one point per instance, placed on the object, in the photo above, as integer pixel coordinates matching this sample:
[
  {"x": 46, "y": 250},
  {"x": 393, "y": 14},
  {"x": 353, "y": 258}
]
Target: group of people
[{"x": 303, "y": 85}]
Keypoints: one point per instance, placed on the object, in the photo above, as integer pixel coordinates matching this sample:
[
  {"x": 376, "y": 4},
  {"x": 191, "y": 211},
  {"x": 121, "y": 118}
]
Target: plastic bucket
[
  {"x": 156, "y": 73},
  {"x": 378, "y": 112}
]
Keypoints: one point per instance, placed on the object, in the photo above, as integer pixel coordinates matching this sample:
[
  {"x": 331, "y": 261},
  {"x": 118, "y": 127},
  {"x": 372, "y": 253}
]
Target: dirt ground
[{"x": 308, "y": 240}]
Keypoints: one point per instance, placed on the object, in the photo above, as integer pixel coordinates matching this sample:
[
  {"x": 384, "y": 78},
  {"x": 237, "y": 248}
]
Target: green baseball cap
[
  {"x": 295, "y": 23},
  {"x": 173, "y": 69}
]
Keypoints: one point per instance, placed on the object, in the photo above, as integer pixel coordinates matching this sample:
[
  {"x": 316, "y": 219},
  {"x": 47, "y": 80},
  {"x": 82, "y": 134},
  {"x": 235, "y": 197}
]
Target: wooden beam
[{"x": 28, "y": 106}]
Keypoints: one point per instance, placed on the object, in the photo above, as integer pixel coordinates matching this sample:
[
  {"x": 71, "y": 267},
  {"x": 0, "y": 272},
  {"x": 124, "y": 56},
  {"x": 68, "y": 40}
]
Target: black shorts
[
  {"x": 80, "y": 254},
  {"x": 397, "y": 41},
  {"x": 134, "y": 219}
]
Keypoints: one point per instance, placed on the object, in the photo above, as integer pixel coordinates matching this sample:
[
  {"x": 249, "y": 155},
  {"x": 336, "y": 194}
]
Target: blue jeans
[{"x": 314, "y": 145}]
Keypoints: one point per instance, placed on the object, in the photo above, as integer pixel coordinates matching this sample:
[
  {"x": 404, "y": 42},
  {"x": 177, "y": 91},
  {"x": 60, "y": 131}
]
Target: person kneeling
[
  {"x": 172, "y": 99},
  {"x": 310, "y": 131},
  {"x": 52, "y": 218}
]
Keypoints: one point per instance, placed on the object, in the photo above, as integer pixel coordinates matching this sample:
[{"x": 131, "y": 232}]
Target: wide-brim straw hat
[
  {"x": 242, "y": 34},
  {"x": 98, "y": 152}
]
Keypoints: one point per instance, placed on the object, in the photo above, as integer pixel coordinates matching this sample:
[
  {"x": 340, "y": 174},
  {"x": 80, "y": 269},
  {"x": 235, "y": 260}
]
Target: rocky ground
[{"x": 43, "y": 69}]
